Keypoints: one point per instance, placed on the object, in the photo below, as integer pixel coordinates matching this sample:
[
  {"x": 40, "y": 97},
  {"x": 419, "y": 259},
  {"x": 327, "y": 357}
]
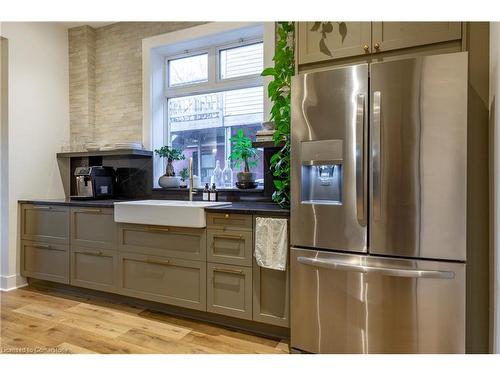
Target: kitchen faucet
[{"x": 191, "y": 192}]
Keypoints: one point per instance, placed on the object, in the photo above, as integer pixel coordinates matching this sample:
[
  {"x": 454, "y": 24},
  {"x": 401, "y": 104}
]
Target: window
[
  {"x": 209, "y": 95},
  {"x": 192, "y": 69},
  {"x": 241, "y": 61}
]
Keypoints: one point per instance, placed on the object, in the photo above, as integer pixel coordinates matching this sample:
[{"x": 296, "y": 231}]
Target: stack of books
[{"x": 264, "y": 135}]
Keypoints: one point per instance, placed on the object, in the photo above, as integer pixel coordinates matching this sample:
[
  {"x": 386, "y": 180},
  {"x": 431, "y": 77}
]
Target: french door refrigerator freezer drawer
[{"x": 365, "y": 304}]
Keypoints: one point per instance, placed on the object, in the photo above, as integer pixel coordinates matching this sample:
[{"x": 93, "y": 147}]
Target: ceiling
[{"x": 95, "y": 25}]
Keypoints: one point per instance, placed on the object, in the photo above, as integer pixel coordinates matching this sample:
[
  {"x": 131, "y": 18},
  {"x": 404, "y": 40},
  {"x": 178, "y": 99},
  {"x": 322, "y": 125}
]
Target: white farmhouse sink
[{"x": 164, "y": 212}]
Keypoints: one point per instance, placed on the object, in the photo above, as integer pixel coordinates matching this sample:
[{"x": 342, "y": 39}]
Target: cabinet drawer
[
  {"x": 168, "y": 280},
  {"x": 229, "y": 290},
  {"x": 184, "y": 243},
  {"x": 45, "y": 261},
  {"x": 229, "y": 221},
  {"x": 94, "y": 268},
  {"x": 93, "y": 227},
  {"x": 45, "y": 223},
  {"x": 230, "y": 247}
]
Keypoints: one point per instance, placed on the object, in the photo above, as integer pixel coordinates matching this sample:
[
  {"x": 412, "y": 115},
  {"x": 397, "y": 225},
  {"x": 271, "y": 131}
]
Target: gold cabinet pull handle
[
  {"x": 230, "y": 236},
  {"x": 366, "y": 47},
  {"x": 42, "y": 246},
  {"x": 99, "y": 253},
  {"x": 226, "y": 216},
  {"x": 160, "y": 262},
  {"x": 228, "y": 270},
  {"x": 90, "y": 210},
  {"x": 48, "y": 247},
  {"x": 159, "y": 230},
  {"x": 376, "y": 46}
]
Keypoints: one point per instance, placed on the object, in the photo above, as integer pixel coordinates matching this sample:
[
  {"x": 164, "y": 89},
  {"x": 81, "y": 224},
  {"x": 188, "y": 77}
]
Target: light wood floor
[{"x": 34, "y": 321}]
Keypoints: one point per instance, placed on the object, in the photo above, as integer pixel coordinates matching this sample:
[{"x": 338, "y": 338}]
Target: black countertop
[
  {"x": 105, "y": 203},
  {"x": 249, "y": 208}
]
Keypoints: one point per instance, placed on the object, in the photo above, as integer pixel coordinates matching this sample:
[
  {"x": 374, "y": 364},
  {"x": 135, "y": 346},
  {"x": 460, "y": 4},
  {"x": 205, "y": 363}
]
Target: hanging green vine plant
[{"x": 279, "y": 91}]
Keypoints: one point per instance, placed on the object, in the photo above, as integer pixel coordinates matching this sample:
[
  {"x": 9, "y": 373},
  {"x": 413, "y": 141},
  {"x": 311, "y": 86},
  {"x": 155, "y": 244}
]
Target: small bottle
[
  {"x": 206, "y": 193},
  {"x": 227, "y": 175},
  {"x": 214, "y": 194}
]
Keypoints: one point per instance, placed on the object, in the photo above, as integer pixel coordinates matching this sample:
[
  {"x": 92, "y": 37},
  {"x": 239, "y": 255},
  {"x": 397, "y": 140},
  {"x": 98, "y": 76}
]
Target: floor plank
[{"x": 54, "y": 321}]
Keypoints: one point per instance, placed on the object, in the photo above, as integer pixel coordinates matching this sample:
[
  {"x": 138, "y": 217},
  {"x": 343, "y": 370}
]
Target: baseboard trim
[{"x": 12, "y": 282}]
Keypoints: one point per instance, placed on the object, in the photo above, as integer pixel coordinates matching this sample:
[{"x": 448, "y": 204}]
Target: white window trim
[{"x": 154, "y": 50}]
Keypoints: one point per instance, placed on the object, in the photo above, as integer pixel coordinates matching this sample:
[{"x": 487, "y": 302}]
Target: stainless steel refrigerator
[{"x": 378, "y": 216}]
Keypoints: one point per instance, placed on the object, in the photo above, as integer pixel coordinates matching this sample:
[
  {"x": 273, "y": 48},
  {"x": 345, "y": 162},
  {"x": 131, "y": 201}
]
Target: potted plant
[
  {"x": 243, "y": 154},
  {"x": 184, "y": 176},
  {"x": 168, "y": 180}
]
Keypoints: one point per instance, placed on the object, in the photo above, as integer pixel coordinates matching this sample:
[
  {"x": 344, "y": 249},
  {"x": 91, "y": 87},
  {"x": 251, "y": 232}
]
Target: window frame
[
  {"x": 214, "y": 84},
  {"x": 195, "y": 52}
]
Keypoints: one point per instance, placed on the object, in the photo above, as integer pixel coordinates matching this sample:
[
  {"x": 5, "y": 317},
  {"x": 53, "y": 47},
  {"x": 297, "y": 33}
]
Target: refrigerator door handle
[
  {"x": 375, "y": 136},
  {"x": 386, "y": 271},
  {"x": 359, "y": 147}
]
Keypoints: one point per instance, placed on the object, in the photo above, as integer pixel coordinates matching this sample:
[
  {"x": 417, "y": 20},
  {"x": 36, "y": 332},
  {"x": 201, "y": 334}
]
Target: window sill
[{"x": 259, "y": 189}]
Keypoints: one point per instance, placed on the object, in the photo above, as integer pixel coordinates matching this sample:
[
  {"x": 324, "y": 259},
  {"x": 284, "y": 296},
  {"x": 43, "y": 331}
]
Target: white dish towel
[{"x": 271, "y": 242}]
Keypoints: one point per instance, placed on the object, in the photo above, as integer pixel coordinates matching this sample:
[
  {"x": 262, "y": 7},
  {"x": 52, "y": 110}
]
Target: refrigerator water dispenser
[{"x": 321, "y": 179}]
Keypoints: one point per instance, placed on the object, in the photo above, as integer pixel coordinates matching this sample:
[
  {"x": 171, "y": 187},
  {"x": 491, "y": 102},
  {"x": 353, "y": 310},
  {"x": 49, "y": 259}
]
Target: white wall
[
  {"x": 38, "y": 123},
  {"x": 495, "y": 162},
  {"x": 3, "y": 146}
]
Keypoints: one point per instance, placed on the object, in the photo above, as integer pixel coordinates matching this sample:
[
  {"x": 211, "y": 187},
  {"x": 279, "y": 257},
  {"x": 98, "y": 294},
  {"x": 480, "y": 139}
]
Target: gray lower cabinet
[
  {"x": 177, "y": 242},
  {"x": 45, "y": 223},
  {"x": 94, "y": 268},
  {"x": 271, "y": 296},
  {"x": 93, "y": 227},
  {"x": 174, "y": 281},
  {"x": 230, "y": 247},
  {"x": 45, "y": 261},
  {"x": 229, "y": 290}
]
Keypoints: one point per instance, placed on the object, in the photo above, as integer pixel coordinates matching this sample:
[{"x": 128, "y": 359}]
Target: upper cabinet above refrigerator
[
  {"x": 329, "y": 186},
  {"x": 418, "y": 158},
  {"x": 329, "y": 41}
]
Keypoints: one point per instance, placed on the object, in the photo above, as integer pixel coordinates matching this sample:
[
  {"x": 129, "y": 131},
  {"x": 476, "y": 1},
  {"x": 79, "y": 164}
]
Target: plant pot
[
  {"x": 246, "y": 180},
  {"x": 168, "y": 181},
  {"x": 183, "y": 184}
]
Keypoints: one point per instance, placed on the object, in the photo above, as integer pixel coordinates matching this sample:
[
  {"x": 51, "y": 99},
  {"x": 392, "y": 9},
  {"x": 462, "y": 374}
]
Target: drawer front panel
[
  {"x": 94, "y": 269},
  {"x": 183, "y": 243},
  {"x": 168, "y": 280},
  {"x": 230, "y": 247},
  {"x": 93, "y": 227},
  {"x": 229, "y": 290},
  {"x": 45, "y": 261},
  {"x": 229, "y": 221},
  {"x": 45, "y": 223}
]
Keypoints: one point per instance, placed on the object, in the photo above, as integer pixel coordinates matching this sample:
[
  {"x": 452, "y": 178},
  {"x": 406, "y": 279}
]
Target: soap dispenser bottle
[
  {"x": 206, "y": 193},
  {"x": 214, "y": 195}
]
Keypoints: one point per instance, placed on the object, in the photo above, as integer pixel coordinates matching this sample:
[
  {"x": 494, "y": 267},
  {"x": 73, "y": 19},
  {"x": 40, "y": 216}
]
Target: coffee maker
[{"x": 94, "y": 182}]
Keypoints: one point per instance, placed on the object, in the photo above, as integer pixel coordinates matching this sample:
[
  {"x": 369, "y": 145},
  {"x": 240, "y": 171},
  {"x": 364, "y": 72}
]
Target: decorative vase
[
  {"x": 168, "y": 181},
  {"x": 246, "y": 180}
]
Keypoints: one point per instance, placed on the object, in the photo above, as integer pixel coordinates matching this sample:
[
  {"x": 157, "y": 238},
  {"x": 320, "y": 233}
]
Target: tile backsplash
[{"x": 105, "y": 66}]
